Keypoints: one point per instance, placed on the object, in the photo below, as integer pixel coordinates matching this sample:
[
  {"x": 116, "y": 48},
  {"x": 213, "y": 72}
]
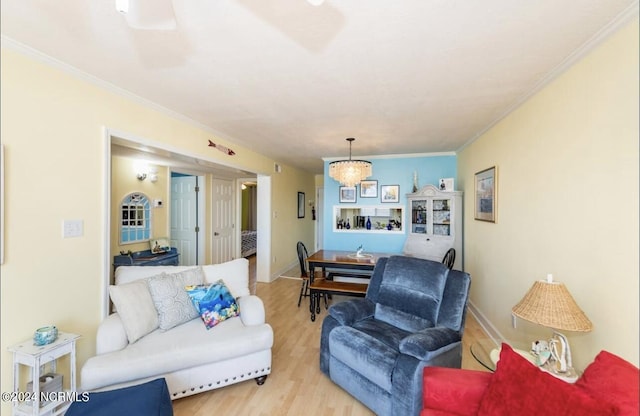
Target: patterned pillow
[
  {"x": 214, "y": 303},
  {"x": 171, "y": 300}
]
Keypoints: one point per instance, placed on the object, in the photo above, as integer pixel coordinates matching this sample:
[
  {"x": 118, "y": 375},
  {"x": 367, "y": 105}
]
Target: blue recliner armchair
[{"x": 412, "y": 316}]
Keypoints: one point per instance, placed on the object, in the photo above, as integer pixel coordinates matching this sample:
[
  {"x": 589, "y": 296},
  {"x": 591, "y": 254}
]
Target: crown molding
[
  {"x": 621, "y": 20},
  {"x": 392, "y": 156},
  {"x": 9, "y": 43}
]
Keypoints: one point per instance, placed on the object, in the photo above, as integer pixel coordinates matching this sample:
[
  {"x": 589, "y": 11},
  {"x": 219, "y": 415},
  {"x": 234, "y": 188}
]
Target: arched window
[{"x": 135, "y": 219}]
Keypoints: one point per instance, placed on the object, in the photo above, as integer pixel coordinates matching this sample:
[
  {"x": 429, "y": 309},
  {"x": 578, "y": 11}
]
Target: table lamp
[{"x": 550, "y": 304}]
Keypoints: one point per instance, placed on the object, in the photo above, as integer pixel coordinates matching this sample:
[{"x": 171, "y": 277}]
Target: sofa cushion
[
  {"x": 410, "y": 293},
  {"x": 171, "y": 299},
  {"x": 453, "y": 390},
  {"x": 610, "y": 378},
  {"x": 520, "y": 388},
  {"x": 135, "y": 307},
  {"x": 214, "y": 303},
  {"x": 184, "y": 346}
]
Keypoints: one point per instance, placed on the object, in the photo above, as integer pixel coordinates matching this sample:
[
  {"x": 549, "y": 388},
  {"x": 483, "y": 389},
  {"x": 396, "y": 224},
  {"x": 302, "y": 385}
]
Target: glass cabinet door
[
  {"x": 419, "y": 216},
  {"x": 431, "y": 216},
  {"x": 441, "y": 217}
]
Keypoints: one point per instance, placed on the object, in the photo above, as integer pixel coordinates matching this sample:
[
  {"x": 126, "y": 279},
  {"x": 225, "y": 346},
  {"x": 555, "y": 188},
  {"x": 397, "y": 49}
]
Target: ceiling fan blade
[{"x": 151, "y": 15}]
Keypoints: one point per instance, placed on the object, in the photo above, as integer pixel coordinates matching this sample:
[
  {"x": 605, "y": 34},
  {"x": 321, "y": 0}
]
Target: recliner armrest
[
  {"x": 421, "y": 344},
  {"x": 351, "y": 311},
  {"x": 251, "y": 310}
]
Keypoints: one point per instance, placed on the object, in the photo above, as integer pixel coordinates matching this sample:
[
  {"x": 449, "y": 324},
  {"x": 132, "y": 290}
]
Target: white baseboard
[{"x": 486, "y": 325}]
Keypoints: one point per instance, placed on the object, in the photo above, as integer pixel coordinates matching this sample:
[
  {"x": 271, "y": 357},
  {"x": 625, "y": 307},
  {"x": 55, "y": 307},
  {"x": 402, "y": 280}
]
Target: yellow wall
[
  {"x": 123, "y": 182},
  {"x": 52, "y": 129},
  {"x": 567, "y": 202},
  {"x": 287, "y": 229}
]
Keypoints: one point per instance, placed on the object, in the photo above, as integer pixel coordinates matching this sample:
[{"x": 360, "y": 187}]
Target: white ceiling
[{"x": 292, "y": 81}]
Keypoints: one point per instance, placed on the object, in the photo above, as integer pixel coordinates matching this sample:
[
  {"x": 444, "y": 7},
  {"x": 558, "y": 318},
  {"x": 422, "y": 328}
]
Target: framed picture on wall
[
  {"x": 347, "y": 194},
  {"x": 369, "y": 189},
  {"x": 390, "y": 193},
  {"x": 486, "y": 194},
  {"x": 300, "y": 204}
]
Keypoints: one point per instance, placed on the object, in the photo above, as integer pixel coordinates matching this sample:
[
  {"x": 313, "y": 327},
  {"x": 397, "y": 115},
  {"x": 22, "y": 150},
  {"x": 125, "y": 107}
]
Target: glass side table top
[{"x": 482, "y": 349}]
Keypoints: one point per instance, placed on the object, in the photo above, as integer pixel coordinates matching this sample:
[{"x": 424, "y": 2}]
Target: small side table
[{"x": 36, "y": 357}]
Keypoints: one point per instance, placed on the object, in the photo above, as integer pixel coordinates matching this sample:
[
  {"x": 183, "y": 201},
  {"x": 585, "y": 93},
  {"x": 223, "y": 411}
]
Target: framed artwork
[
  {"x": 300, "y": 204},
  {"x": 390, "y": 193},
  {"x": 486, "y": 195},
  {"x": 348, "y": 194},
  {"x": 369, "y": 189},
  {"x": 159, "y": 245}
]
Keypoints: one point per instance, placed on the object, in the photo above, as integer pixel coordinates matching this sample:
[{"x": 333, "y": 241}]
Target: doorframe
[{"x": 263, "y": 265}]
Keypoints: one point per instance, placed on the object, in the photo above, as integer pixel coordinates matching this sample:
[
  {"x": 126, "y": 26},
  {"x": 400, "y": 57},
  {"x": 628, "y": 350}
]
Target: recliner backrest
[
  {"x": 454, "y": 301},
  {"x": 410, "y": 292}
]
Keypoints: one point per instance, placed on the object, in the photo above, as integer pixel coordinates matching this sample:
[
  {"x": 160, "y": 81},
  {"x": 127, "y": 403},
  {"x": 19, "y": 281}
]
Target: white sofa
[{"x": 191, "y": 358}]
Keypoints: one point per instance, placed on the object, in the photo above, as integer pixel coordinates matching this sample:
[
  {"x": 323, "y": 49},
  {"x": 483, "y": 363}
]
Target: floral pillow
[{"x": 214, "y": 302}]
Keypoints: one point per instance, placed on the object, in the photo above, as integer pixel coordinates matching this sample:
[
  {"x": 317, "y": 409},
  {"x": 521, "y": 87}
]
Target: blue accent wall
[{"x": 391, "y": 171}]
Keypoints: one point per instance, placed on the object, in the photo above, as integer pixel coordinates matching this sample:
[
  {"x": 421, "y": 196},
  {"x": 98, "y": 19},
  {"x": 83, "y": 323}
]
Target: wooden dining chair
[
  {"x": 303, "y": 254},
  {"x": 304, "y": 274},
  {"x": 449, "y": 258}
]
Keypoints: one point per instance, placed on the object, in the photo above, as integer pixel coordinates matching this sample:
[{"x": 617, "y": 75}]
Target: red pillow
[
  {"x": 611, "y": 378},
  {"x": 520, "y": 388}
]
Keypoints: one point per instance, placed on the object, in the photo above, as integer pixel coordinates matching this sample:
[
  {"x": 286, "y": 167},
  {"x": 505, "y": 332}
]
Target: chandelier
[{"x": 350, "y": 172}]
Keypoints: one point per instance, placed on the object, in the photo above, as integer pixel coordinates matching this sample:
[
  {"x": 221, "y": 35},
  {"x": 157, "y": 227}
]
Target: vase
[{"x": 368, "y": 223}]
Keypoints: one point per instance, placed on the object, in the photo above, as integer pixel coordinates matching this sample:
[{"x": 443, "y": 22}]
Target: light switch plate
[{"x": 72, "y": 228}]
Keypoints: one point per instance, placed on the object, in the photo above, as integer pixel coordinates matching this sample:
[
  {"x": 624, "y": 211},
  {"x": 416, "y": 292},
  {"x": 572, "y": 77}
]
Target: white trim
[
  {"x": 10, "y": 43},
  {"x": 392, "y": 156},
  {"x": 106, "y": 221},
  {"x": 486, "y": 325},
  {"x": 583, "y": 50}
]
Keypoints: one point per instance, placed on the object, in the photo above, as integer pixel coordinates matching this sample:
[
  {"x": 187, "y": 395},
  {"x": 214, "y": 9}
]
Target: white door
[
  {"x": 222, "y": 221},
  {"x": 184, "y": 220}
]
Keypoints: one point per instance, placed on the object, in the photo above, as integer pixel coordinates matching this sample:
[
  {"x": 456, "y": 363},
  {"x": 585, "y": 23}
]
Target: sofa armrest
[
  {"x": 251, "y": 310},
  {"x": 111, "y": 335},
  {"x": 422, "y": 344},
  {"x": 453, "y": 391},
  {"x": 351, "y": 311}
]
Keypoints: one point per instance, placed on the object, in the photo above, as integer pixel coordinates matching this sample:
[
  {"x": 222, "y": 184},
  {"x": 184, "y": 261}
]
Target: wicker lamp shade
[{"x": 550, "y": 304}]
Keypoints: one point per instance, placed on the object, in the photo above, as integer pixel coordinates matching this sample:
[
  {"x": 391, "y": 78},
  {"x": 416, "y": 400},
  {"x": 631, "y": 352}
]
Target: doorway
[{"x": 195, "y": 164}]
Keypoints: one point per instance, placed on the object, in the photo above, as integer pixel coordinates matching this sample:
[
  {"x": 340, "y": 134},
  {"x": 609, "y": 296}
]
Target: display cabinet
[
  {"x": 435, "y": 224},
  {"x": 368, "y": 219}
]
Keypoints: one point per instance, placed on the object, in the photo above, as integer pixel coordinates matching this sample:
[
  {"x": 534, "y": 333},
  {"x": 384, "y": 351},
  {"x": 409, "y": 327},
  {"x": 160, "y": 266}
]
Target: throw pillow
[
  {"x": 171, "y": 300},
  {"x": 520, "y": 388},
  {"x": 135, "y": 307},
  {"x": 611, "y": 378},
  {"x": 214, "y": 303}
]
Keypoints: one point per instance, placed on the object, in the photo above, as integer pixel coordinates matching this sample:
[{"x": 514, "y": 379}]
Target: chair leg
[{"x": 303, "y": 291}]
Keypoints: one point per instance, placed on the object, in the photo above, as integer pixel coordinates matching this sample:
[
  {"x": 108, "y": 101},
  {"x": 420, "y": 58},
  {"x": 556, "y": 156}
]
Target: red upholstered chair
[{"x": 609, "y": 386}]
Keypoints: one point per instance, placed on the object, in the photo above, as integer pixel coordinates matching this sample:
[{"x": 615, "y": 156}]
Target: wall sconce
[{"x": 144, "y": 171}]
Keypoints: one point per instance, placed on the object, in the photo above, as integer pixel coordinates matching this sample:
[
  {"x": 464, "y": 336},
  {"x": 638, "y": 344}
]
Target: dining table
[{"x": 345, "y": 264}]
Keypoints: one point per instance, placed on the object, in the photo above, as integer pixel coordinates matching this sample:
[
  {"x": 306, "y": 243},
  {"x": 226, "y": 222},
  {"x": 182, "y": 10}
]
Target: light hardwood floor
[{"x": 296, "y": 385}]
